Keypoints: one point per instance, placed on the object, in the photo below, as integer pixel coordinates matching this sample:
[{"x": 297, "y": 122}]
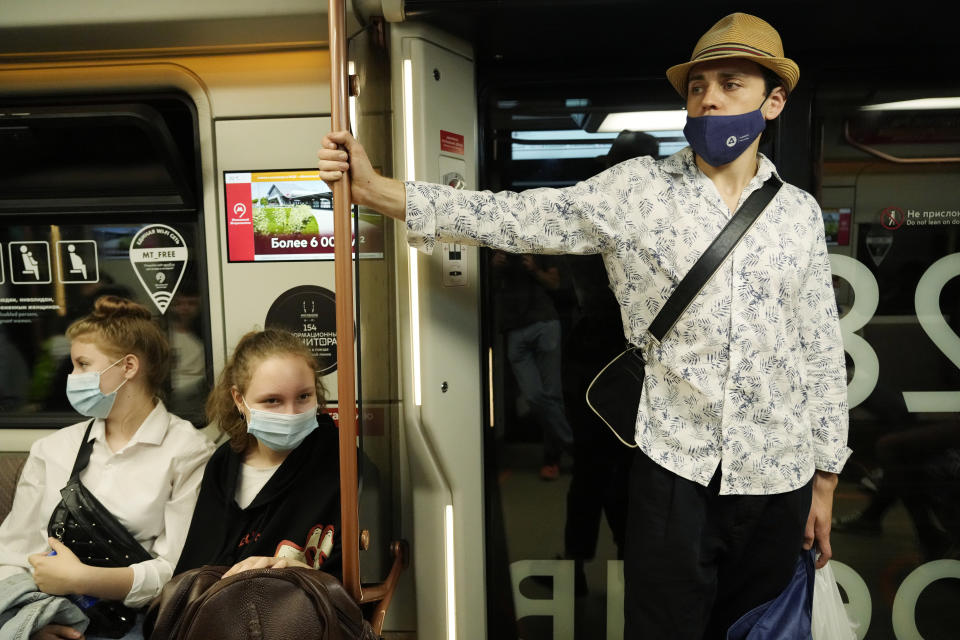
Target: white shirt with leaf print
[{"x": 752, "y": 377}]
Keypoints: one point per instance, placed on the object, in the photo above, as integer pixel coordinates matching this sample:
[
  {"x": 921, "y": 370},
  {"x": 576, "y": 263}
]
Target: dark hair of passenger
[
  {"x": 771, "y": 81},
  {"x": 252, "y": 349},
  {"x": 631, "y": 144},
  {"x": 118, "y": 326}
]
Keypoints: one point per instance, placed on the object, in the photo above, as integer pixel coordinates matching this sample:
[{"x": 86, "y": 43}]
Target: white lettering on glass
[
  {"x": 866, "y": 297},
  {"x": 927, "y": 304}
]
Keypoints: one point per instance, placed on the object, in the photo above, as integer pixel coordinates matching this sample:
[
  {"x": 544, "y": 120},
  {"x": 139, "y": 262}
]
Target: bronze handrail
[{"x": 343, "y": 279}]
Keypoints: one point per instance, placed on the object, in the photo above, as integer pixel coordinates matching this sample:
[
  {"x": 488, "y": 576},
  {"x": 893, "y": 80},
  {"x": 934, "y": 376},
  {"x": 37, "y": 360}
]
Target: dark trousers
[
  {"x": 696, "y": 561},
  {"x": 601, "y": 463}
]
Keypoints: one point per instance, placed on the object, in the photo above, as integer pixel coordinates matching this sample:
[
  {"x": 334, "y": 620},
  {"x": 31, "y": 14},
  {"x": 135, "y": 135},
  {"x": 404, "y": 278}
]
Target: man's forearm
[
  {"x": 386, "y": 195},
  {"x": 825, "y": 480}
]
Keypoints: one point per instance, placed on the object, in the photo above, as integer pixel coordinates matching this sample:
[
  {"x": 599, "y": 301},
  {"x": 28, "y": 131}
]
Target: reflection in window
[{"x": 77, "y": 263}]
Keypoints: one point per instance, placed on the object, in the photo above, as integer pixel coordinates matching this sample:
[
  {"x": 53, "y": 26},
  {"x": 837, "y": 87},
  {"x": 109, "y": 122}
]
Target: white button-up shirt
[
  {"x": 752, "y": 377},
  {"x": 150, "y": 486}
]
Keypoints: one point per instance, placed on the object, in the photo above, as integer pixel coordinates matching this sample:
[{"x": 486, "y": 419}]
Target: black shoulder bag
[
  {"x": 614, "y": 394},
  {"x": 95, "y": 535}
]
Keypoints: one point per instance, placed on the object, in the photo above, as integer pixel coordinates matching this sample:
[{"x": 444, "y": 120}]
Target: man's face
[{"x": 726, "y": 87}]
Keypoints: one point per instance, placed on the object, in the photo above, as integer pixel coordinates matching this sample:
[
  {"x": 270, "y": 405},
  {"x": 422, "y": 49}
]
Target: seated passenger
[
  {"x": 270, "y": 496},
  {"x": 136, "y": 467}
]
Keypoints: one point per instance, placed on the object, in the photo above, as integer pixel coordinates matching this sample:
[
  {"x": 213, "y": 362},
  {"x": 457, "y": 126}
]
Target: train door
[
  {"x": 556, "y": 476},
  {"x": 885, "y": 173},
  {"x": 887, "y": 179}
]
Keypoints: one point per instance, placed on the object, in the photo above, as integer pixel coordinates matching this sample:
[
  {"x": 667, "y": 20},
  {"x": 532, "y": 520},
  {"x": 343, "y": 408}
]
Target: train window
[
  {"x": 890, "y": 164},
  {"x": 97, "y": 197},
  {"x": 89, "y": 156},
  {"x": 885, "y": 170}
]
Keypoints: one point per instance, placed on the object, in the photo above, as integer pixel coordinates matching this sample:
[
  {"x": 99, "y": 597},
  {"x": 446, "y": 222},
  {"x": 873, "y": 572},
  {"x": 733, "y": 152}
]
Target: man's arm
[
  {"x": 548, "y": 278},
  {"x": 821, "y": 515},
  {"x": 588, "y": 217},
  {"x": 367, "y": 187},
  {"x": 826, "y": 382}
]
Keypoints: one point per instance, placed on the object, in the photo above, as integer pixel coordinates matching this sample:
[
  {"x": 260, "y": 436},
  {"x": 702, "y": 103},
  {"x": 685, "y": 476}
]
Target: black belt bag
[
  {"x": 98, "y": 539},
  {"x": 614, "y": 394}
]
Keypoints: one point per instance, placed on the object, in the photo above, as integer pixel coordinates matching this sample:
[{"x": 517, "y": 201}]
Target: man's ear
[{"x": 774, "y": 104}]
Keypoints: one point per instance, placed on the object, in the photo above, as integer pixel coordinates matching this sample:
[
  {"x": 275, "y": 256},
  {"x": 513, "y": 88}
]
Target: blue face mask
[
  {"x": 281, "y": 431},
  {"x": 720, "y": 140},
  {"x": 83, "y": 392}
]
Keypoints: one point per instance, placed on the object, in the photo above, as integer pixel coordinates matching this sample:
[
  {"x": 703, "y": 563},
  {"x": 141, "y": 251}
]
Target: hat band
[{"x": 727, "y": 48}]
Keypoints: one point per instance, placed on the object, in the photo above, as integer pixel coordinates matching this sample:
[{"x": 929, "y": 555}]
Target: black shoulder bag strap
[
  {"x": 83, "y": 454},
  {"x": 615, "y": 392},
  {"x": 708, "y": 263}
]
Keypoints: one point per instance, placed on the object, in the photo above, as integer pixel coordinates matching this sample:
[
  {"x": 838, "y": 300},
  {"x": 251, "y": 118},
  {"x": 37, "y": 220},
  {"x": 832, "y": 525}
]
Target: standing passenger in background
[
  {"x": 742, "y": 423},
  {"x": 270, "y": 496},
  {"x": 601, "y": 463},
  {"x": 140, "y": 462},
  {"x": 526, "y": 315}
]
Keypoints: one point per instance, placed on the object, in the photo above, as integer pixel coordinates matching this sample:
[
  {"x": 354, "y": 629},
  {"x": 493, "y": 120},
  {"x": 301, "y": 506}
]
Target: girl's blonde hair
[
  {"x": 251, "y": 350},
  {"x": 118, "y": 326}
]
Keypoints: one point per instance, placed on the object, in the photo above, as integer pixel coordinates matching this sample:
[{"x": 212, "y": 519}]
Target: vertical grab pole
[{"x": 343, "y": 275}]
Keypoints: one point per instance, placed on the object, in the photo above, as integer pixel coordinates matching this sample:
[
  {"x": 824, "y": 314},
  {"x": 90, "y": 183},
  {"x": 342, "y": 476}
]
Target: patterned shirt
[{"x": 752, "y": 377}]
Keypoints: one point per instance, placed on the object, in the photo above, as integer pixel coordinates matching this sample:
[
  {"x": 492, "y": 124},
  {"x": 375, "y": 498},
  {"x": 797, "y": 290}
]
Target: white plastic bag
[{"x": 830, "y": 621}]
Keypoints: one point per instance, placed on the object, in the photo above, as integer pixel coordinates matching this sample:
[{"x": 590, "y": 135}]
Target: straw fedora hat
[{"x": 739, "y": 35}]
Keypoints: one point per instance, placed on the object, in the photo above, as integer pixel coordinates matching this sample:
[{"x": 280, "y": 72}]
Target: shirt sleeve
[
  {"x": 19, "y": 533},
  {"x": 585, "y": 218},
  {"x": 825, "y": 366},
  {"x": 150, "y": 576}
]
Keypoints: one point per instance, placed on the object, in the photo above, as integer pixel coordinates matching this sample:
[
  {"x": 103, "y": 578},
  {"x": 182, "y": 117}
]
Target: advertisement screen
[
  {"x": 287, "y": 215},
  {"x": 836, "y": 226}
]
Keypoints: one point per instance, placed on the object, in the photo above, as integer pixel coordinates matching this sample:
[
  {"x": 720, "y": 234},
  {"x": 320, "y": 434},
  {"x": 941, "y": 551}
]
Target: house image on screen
[{"x": 290, "y": 196}]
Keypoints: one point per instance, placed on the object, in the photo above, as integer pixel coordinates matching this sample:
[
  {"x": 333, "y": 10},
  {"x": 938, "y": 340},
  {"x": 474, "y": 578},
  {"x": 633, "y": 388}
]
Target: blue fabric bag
[{"x": 786, "y": 617}]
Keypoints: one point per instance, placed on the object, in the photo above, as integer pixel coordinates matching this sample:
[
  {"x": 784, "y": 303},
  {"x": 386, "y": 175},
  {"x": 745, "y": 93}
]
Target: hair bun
[{"x": 117, "y": 307}]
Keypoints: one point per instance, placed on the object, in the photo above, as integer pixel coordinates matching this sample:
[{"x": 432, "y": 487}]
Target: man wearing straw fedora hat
[{"x": 742, "y": 423}]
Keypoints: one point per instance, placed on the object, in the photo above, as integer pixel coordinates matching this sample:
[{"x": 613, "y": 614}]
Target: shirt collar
[
  {"x": 152, "y": 431},
  {"x": 683, "y": 163}
]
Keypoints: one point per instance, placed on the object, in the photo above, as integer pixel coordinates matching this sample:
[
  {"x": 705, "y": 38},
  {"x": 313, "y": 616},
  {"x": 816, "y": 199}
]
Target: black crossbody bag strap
[
  {"x": 615, "y": 392},
  {"x": 708, "y": 263},
  {"x": 83, "y": 454}
]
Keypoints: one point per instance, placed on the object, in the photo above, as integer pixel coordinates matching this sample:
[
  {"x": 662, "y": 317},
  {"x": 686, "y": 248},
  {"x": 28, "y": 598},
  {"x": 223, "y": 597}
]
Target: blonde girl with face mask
[{"x": 140, "y": 462}]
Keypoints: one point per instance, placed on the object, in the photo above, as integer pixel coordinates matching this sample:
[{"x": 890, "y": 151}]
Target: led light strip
[
  {"x": 919, "y": 104},
  {"x": 352, "y": 101},
  {"x": 414, "y": 258},
  {"x": 644, "y": 121},
  {"x": 451, "y": 592},
  {"x": 490, "y": 384}
]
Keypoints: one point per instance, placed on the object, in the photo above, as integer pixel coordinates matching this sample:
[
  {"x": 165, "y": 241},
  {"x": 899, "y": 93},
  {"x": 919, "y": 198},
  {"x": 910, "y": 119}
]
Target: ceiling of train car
[
  {"x": 559, "y": 65},
  {"x": 625, "y": 36}
]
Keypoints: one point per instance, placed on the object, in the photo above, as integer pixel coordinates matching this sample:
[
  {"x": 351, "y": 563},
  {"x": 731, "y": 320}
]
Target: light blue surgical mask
[
  {"x": 280, "y": 431},
  {"x": 83, "y": 392}
]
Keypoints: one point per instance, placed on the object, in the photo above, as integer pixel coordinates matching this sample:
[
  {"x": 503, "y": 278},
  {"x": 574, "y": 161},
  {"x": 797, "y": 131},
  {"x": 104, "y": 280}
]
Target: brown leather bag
[{"x": 266, "y": 604}]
